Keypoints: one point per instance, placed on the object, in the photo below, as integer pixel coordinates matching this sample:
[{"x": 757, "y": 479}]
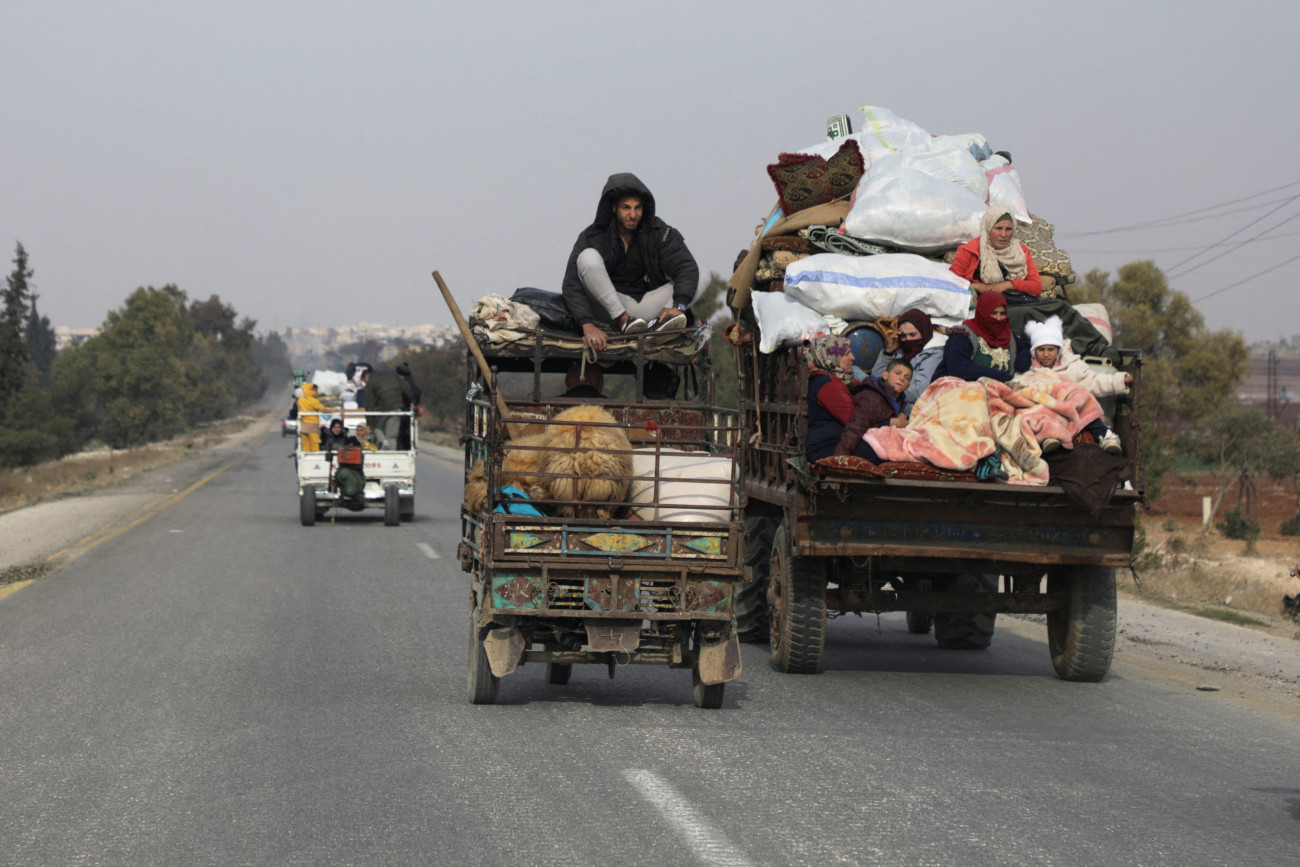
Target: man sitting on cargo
[
  {"x": 629, "y": 268},
  {"x": 876, "y": 402}
]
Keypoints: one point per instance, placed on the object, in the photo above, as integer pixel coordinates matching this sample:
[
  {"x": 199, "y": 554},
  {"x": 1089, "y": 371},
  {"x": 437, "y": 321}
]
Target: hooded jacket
[
  {"x": 308, "y": 403},
  {"x": 872, "y": 407},
  {"x": 658, "y": 247}
]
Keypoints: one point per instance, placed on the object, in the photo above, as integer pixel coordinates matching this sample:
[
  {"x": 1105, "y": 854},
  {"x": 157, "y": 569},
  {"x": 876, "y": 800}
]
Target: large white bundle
[
  {"x": 868, "y": 287},
  {"x": 781, "y": 319},
  {"x": 881, "y": 128},
  {"x": 905, "y": 207},
  {"x": 680, "y": 500},
  {"x": 1004, "y": 187},
  {"x": 953, "y": 164},
  {"x": 329, "y": 382},
  {"x": 976, "y": 144}
]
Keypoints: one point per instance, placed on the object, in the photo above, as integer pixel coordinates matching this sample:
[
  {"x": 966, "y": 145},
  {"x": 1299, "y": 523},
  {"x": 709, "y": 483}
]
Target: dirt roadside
[{"x": 1260, "y": 667}]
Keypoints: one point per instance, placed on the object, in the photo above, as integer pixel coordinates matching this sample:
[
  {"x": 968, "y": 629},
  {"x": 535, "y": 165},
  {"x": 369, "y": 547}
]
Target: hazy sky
[{"x": 313, "y": 162}]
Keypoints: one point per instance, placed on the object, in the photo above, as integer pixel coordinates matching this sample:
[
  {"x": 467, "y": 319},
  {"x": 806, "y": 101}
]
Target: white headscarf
[{"x": 1012, "y": 258}]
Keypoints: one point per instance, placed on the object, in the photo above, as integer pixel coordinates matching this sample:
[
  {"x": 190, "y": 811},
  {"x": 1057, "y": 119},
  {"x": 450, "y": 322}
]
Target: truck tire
[
  {"x": 707, "y": 695},
  {"x": 559, "y": 673},
  {"x": 392, "y": 506},
  {"x": 307, "y": 505},
  {"x": 967, "y": 631},
  {"x": 918, "y": 623},
  {"x": 1081, "y": 636},
  {"x": 750, "y": 597},
  {"x": 482, "y": 682},
  {"x": 796, "y": 604}
]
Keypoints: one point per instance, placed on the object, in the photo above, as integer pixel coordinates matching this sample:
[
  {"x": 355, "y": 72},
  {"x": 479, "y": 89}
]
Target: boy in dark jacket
[{"x": 875, "y": 404}]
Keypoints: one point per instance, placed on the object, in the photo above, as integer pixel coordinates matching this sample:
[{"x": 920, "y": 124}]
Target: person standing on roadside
[{"x": 629, "y": 268}]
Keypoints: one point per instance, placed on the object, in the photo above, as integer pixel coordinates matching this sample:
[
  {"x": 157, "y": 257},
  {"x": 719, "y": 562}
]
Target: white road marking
[
  {"x": 428, "y": 550},
  {"x": 708, "y": 844}
]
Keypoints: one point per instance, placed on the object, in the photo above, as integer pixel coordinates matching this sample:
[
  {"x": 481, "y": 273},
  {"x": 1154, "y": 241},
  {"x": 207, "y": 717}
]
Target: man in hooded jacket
[{"x": 629, "y": 268}]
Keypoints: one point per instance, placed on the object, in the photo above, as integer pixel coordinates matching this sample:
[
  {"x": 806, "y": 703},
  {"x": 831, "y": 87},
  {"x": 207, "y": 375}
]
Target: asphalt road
[{"x": 220, "y": 685}]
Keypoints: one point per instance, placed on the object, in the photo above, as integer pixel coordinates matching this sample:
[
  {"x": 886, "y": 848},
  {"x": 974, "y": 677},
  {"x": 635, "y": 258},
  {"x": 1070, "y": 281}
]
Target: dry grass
[
  {"x": 1208, "y": 575},
  {"x": 87, "y": 471}
]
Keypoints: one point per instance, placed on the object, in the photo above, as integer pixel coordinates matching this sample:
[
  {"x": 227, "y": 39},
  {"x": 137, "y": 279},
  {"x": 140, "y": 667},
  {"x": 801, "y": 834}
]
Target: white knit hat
[{"x": 1046, "y": 333}]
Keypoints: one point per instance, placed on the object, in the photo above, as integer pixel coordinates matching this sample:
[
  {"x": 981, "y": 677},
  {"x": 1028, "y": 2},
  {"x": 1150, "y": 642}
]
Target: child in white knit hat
[{"x": 1051, "y": 352}]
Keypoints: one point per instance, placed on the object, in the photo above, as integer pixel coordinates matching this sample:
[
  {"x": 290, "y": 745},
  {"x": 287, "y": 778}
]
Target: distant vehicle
[
  {"x": 288, "y": 426},
  {"x": 356, "y": 479}
]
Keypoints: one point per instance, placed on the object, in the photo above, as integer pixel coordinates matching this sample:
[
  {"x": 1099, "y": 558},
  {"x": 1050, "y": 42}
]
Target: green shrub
[
  {"x": 1291, "y": 527},
  {"x": 1237, "y": 526}
]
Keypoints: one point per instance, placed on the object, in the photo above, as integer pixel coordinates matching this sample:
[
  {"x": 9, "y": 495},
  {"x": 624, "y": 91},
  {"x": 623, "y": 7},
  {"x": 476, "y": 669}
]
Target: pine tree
[
  {"x": 41, "y": 343},
  {"x": 14, "y": 352}
]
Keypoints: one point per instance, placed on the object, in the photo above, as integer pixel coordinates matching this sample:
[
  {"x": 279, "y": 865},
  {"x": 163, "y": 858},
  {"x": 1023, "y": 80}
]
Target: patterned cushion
[
  {"x": 793, "y": 243},
  {"x": 923, "y": 472},
  {"x": 846, "y": 168},
  {"x": 848, "y": 465},
  {"x": 802, "y": 180}
]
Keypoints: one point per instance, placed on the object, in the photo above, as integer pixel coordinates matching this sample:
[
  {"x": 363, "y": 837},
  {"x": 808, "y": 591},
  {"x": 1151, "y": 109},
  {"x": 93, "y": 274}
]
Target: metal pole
[{"x": 468, "y": 337}]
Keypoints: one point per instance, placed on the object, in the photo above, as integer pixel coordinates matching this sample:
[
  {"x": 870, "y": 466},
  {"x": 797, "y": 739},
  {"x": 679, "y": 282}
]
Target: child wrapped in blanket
[{"x": 1051, "y": 352}]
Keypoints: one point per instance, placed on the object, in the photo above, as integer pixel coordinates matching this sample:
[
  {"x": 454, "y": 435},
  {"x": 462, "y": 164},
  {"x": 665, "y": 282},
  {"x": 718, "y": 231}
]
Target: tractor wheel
[
  {"x": 1081, "y": 636},
  {"x": 307, "y": 505}
]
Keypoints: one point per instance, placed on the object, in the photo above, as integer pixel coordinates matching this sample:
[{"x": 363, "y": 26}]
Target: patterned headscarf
[
  {"x": 996, "y": 332},
  {"x": 1012, "y": 258},
  {"x": 824, "y": 354}
]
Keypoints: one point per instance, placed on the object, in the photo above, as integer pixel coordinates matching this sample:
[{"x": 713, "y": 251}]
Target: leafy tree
[
  {"x": 1242, "y": 443},
  {"x": 14, "y": 352},
  {"x": 1188, "y": 370},
  {"x": 711, "y": 300}
]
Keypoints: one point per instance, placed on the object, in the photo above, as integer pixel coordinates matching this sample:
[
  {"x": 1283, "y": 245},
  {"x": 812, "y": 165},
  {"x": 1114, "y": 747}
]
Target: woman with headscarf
[
  {"x": 920, "y": 346},
  {"x": 995, "y": 261},
  {"x": 984, "y": 345},
  {"x": 830, "y": 373}
]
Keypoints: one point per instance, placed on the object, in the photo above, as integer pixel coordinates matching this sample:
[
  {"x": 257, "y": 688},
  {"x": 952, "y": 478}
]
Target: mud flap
[
  {"x": 720, "y": 660},
  {"x": 504, "y": 648},
  {"x": 604, "y": 636}
]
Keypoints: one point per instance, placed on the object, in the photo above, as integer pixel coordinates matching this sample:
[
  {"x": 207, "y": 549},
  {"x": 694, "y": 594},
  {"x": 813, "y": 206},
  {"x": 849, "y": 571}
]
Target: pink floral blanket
[{"x": 956, "y": 423}]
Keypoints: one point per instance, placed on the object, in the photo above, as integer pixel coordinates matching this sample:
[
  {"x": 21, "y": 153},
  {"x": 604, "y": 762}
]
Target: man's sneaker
[
  {"x": 1050, "y": 445},
  {"x": 673, "y": 323},
  {"x": 668, "y": 330},
  {"x": 634, "y": 326},
  {"x": 1110, "y": 443}
]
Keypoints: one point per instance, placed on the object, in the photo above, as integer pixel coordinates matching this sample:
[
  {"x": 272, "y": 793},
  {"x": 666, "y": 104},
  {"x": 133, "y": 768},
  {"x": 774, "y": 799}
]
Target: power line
[
  {"x": 1224, "y": 239},
  {"x": 1255, "y": 240},
  {"x": 1247, "y": 280},
  {"x": 1165, "y": 221}
]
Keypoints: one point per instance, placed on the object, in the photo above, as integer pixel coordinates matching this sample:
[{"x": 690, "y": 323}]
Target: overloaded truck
[
  {"x": 601, "y": 523},
  {"x": 951, "y": 553},
  {"x": 951, "y": 548}
]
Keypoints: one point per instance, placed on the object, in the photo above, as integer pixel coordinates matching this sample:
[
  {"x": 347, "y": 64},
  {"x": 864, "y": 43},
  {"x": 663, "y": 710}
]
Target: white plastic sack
[
  {"x": 907, "y": 208},
  {"x": 1004, "y": 187},
  {"x": 973, "y": 142},
  {"x": 329, "y": 382},
  {"x": 868, "y": 287},
  {"x": 781, "y": 319},
  {"x": 952, "y": 164},
  {"x": 714, "y": 475},
  {"x": 881, "y": 128}
]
